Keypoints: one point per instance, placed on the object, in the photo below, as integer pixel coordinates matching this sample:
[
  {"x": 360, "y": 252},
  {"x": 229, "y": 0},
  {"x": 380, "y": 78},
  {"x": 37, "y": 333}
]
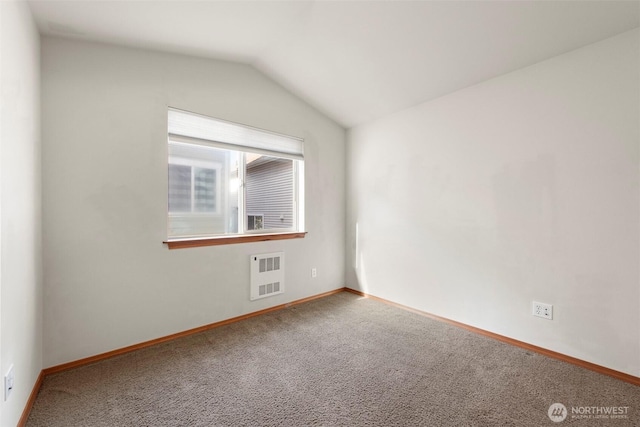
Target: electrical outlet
[
  {"x": 314, "y": 272},
  {"x": 9, "y": 380},
  {"x": 543, "y": 310}
]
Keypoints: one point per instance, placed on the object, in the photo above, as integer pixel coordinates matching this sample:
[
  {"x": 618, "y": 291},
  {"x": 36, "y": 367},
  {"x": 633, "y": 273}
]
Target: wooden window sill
[{"x": 215, "y": 241}]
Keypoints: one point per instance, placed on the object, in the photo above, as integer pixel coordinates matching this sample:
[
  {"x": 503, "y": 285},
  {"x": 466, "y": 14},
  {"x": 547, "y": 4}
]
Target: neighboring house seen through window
[
  {"x": 255, "y": 222},
  {"x": 192, "y": 188},
  {"x": 230, "y": 179}
]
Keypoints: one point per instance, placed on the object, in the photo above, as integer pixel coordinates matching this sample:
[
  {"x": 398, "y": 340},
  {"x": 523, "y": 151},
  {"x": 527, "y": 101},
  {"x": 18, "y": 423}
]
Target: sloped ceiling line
[{"x": 353, "y": 60}]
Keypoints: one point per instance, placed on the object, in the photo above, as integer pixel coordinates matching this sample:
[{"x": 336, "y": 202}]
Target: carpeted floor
[{"x": 337, "y": 361}]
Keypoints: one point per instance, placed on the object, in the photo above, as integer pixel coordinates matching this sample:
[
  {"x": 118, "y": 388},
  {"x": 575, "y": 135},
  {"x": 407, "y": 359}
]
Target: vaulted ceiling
[{"x": 354, "y": 60}]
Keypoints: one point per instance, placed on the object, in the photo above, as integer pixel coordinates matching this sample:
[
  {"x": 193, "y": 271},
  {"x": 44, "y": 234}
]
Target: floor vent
[{"x": 267, "y": 275}]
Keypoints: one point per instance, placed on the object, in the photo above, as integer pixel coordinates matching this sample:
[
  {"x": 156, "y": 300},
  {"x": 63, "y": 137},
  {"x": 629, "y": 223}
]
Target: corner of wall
[{"x": 21, "y": 286}]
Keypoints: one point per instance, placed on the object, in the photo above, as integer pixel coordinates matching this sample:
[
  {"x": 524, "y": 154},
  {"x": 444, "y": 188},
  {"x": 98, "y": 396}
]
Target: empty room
[{"x": 319, "y": 213}]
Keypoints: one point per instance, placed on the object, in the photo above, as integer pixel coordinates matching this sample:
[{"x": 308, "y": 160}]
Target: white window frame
[{"x": 285, "y": 147}]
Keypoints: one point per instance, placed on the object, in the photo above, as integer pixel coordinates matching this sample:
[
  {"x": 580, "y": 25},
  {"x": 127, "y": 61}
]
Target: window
[
  {"x": 192, "y": 186},
  {"x": 255, "y": 222},
  {"x": 227, "y": 179}
]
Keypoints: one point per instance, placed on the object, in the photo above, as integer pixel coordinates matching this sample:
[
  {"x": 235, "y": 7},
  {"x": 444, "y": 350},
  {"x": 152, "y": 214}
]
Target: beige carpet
[{"x": 338, "y": 361}]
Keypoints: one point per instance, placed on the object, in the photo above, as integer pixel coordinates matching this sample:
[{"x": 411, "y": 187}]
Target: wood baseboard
[
  {"x": 32, "y": 399},
  {"x": 550, "y": 353},
  {"x": 118, "y": 352}
]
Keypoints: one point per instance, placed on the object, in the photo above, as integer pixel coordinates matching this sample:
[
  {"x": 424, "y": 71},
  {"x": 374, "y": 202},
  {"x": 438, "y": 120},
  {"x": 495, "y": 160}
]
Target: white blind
[{"x": 197, "y": 129}]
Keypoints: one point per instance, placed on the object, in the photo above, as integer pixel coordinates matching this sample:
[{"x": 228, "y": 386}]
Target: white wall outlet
[
  {"x": 543, "y": 310},
  {"x": 314, "y": 272},
  {"x": 9, "y": 380}
]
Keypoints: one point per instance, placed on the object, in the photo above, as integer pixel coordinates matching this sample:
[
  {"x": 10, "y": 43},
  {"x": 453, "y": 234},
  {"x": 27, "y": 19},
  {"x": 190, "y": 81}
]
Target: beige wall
[
  {"x": 20, "y": 208},
  {"x": 521, "y": 188},
  {"x": 109, "y": 280},
  {"x": 471, "y": 206}
]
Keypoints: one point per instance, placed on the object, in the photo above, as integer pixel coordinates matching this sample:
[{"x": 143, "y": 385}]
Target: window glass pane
[
  {"x": 269, "y": 187},
  {"x": 179, "y": 188},
  {"x": 204, "y": 189},
  {"x": 255, "y": 222}
]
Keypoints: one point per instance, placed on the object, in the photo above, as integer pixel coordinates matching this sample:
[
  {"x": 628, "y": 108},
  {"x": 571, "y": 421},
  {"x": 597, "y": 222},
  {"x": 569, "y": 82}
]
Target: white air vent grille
[{"x": 267, "y": 275}]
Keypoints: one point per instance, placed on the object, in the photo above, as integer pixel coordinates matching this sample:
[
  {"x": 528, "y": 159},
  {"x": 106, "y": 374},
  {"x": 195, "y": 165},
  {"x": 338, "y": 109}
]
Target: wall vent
[{"x": 267, "y": 275}]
